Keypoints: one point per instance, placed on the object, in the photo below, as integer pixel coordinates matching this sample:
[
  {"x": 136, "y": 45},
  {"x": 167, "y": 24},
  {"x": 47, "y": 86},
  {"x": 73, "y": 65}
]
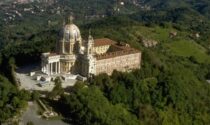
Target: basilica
[{"x": 75, "y": 55}]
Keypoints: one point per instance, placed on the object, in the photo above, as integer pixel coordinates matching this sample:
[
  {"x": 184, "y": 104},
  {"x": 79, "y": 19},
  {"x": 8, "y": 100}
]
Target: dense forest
[{"x": 170, "y": 87}]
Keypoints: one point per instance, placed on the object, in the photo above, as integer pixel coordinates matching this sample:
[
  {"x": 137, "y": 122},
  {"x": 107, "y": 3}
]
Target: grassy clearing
[
  {"x": 187, "y": 49},
  {"x": 182, "y": 45}
]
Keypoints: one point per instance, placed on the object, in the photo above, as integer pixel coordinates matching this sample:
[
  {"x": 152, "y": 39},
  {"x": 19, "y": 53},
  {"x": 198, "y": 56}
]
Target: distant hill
[
  {"x": 110, "y": 7},
  {"x": 201, "y": 6},
  {"x": 171, "y": 86},
  {"x": 28, "y": 1}
]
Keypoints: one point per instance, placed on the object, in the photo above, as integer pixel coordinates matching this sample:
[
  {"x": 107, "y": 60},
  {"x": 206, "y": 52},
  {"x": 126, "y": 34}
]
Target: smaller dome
[{"x": 70, "y": 33}]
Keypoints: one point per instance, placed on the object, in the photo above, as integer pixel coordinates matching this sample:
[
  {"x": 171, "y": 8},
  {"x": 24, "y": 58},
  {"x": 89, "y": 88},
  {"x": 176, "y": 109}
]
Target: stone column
[
  {"x": 51, "y": 68},
  {"x": 43, "y": 68},
  {"x": 59, "y": 67},
  {"x": 48, "y": 69},
  {"x": 56, "y": 67},
  {"x": 63, "y": 47}
]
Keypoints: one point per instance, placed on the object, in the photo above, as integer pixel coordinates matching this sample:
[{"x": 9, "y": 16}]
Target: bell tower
[
  {"x": 89, "y": 62},
  {"x": 89, "y": 45}
]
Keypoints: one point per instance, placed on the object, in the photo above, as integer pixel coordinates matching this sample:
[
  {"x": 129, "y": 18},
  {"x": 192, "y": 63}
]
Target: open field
[{"x": 188, "y": 49}]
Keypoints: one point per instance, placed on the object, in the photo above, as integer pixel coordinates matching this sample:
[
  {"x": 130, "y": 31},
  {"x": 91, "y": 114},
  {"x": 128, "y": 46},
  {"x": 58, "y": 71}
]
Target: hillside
[
  {"x": 164, "y": 91},
  {"x": 170, "y": 87}
]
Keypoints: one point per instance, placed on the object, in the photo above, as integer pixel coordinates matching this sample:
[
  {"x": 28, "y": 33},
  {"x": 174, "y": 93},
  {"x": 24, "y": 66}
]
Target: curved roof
[{"x": 71, "y": 32}]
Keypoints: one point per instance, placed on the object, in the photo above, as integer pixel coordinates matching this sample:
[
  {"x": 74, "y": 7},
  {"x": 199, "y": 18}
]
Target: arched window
[
  {"x": 75, "y": 34},
  {"x": 67, "y": 36}
]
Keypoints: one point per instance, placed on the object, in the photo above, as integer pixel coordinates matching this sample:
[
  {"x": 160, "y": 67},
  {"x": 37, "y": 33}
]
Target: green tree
[
  {"x": 57, "y": 90},
  {"x": 35, "y": 95},
  {"x": 12, "y": 100},
  {"x": 89, "y": 106},
  {"x": 30, "y": 123}
]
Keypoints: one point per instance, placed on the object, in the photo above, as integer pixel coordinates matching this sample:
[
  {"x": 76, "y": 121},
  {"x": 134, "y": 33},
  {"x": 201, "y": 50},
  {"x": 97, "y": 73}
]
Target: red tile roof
[
  {"x": 117, "y": 53},
  {"x": 103, "y": 42}
]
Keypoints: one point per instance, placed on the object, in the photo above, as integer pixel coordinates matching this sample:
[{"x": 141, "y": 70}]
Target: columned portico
[
  {"x": 50, "y": 64},
  {"x": 54, "y": 68}
]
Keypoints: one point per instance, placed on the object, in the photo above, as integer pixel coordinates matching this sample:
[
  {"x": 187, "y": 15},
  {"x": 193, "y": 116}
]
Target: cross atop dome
[
  {"x": 89, "y": 32},
  {"x": 70, "y": 19}
]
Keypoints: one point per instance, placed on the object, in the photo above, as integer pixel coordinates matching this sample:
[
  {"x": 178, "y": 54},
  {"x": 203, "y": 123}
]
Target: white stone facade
[{"x": 90, "y": 57}]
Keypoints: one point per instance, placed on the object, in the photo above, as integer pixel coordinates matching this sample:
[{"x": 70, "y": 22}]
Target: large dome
[{"x": 70, "y": 33}]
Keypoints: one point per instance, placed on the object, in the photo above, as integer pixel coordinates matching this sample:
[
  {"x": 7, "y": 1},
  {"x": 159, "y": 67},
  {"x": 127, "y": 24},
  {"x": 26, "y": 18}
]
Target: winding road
[{"x": 31, "y": 115}]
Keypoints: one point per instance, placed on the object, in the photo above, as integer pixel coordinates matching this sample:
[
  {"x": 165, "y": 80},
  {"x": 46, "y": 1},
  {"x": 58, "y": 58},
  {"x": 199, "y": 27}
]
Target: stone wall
[{"x": 120, "y": 63}]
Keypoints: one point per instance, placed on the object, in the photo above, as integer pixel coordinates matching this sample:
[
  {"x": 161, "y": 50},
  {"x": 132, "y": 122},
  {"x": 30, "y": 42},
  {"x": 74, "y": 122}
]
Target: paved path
[
  {"x": 31, "y": 115},
  {"x": 29, "y": 83}
]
